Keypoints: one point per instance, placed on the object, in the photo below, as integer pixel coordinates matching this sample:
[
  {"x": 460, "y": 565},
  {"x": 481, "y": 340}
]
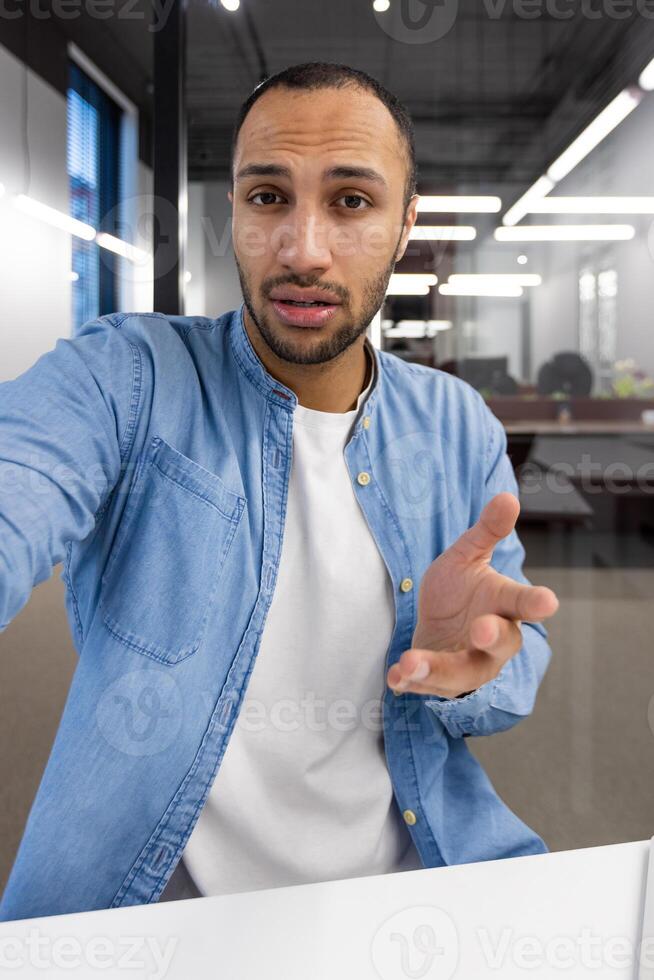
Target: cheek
[
  {"x": 251, "y": 240},
  {"x": 366, "y": 242}
]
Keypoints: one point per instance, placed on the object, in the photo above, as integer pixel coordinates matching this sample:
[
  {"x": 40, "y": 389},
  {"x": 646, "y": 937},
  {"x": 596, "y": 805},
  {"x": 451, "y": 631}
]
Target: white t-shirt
[{"x": 303, "y": 792}]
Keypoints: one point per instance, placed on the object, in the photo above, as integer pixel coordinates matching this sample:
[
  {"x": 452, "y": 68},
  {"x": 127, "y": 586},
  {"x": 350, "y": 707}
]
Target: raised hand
[{"x": 469, "y": 614}]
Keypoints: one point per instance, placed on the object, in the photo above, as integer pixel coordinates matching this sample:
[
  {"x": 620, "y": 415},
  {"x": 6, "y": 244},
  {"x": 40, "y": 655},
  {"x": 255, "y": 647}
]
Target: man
[{"x": 264, "y": 503}]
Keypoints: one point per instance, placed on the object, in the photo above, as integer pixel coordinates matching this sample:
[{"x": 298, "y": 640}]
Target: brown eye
[
  {"x": 264, "y": 194},
  {"x": 356, "y": 198}
]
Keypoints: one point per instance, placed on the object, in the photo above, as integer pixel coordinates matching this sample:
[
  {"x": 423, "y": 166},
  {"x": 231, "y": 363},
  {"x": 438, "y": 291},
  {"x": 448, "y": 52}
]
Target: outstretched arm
[
  {"x": 479, "y": 647},
  {"x": 65, "y": 428}
]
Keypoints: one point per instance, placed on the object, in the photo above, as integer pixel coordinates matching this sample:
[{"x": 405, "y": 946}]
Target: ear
[
  {"x": 230, "y": 197},
  {"x": 409, "y": 221}
]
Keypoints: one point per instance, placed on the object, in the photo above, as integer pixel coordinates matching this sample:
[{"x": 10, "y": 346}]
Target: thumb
[{"x": 496, "y": 521}]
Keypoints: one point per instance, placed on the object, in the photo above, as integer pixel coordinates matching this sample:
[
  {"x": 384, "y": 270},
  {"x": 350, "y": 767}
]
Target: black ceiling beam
[{"x": 169, "y": 158}]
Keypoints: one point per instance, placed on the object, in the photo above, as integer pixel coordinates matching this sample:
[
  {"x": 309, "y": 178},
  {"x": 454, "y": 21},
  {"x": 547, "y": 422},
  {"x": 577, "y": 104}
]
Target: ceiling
[{"x": 493, "y": 100}]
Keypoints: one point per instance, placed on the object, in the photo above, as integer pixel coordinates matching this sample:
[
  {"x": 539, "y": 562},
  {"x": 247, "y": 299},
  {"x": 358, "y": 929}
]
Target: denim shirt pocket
[{"x": 165, "y": 566}]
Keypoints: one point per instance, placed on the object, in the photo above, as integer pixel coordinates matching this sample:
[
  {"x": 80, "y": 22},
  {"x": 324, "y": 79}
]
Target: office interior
[{"x": 530, "y": 274}]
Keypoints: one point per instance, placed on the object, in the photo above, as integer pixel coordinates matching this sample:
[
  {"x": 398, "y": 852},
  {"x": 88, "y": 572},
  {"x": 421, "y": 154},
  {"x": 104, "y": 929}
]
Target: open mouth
[
  {"x": 304, "y": 313},
  {"x": 296, "y": 302}
]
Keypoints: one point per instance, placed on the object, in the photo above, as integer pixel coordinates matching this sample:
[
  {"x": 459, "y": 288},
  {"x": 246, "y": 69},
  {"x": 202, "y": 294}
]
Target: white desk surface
[{"x": 569, "y": 915}]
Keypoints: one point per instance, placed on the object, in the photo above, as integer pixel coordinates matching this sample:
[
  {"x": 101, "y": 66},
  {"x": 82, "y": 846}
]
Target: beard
[{"x": 327, "y": 348}]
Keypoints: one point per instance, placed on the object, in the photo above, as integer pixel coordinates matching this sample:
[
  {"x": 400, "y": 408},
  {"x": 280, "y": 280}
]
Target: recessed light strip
[
  {"x": 495, "y": 278},
  {"x": 443, "y": 233},
  {"x": 602, "y": 125},
  {"x": 592, "y": 205},
  {"x": 462, "y": 204},
  {"x": 566, "y": 233},
  {"x": 480, "y": 289}
]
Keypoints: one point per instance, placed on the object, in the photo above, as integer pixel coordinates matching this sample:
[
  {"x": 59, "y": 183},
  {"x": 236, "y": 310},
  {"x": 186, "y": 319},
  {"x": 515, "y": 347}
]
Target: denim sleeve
[
  {"x": 65, "y": 428},
  {"x": 502, "y": 702}
]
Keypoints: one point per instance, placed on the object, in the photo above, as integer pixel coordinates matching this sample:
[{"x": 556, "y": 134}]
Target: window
[
  {"x": 598, "y": 328},
  {"x": 93, "y": 174}
]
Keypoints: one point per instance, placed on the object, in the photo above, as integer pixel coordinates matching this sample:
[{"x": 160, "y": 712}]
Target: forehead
[{"x": 323, "y": 122}]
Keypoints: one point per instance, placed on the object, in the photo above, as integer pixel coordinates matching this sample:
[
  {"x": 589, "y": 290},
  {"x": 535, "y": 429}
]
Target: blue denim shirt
[{"x": 151, "y": 455}]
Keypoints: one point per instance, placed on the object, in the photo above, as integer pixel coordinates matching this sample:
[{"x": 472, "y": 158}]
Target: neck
[{"x": 331, "y": 387}]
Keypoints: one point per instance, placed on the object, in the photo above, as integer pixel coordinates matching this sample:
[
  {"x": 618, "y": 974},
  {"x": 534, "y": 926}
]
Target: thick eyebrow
[{"x": 332, "y": 173}]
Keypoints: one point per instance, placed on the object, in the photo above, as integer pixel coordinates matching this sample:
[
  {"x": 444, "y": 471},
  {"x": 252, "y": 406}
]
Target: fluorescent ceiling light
[
  {"x": 428, "y": 278},
  {"x": 603, "y": 124},
  {"x": 407, "y": 289},
  {"x": 500, "y": 278},
  {"x": 407, "y": 284},
  {"x": 646, "y": 80},
  {"x": 443, "y": 233},
  {"x": 429, "y": 325},
  {"x": 599, "y": 129},
  {"x": 417, "y": 290},
  {"x": 53, "y": 217},
  {"x": 120, "y": 247},
  {"x": 480, "y": 289},
  {"x": 2, "y": 189},
  {"x": 417, "y": 328},
  {"x": 538, "y": 190},
  {"x": 463, "y": 204},
  {"x": 593, "y": 205},
  {"x": 566, "y": 233}
]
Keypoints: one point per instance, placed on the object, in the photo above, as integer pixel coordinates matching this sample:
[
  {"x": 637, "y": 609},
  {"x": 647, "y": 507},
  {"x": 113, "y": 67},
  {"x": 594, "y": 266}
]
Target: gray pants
[{"x": 180, "y": 885}]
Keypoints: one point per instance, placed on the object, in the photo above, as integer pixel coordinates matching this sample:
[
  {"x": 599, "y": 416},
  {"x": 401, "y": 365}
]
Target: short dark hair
[{"x": 323, "y": 74}]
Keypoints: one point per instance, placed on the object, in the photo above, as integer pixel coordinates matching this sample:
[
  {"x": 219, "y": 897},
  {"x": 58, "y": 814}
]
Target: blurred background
[{"x": 530, "y": 274}]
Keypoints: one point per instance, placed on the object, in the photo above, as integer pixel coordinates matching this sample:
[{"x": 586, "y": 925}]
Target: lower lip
[{"x": 303, "y": 316}]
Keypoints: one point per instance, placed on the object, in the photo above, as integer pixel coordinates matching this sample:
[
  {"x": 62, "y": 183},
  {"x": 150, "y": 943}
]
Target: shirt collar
[{"x": 252, "y": 366}]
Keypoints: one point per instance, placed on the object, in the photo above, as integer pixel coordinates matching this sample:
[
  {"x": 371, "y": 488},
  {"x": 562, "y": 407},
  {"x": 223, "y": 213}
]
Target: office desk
[
  {"x": 577, "y": 427},
  {"x": 596, "y": 460},
  {"x": 571, "y": 914}
]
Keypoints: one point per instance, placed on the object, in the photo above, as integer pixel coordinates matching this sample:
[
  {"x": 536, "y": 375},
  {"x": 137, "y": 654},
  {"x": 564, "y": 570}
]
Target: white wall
[
  {"x": 214, "y": 287},
  {"x": 489, "y": 326},
  {"x": 195, "y": 291},
  {"x": 35, "y": 300},
  {"x": 620, "y": 166},
  {"x": 222, "y": 286},
  {"x": 35, "y": 258}
]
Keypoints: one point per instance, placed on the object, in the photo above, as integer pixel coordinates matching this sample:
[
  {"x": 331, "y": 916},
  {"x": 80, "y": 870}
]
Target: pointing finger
[{"x": 495, "y": 522}]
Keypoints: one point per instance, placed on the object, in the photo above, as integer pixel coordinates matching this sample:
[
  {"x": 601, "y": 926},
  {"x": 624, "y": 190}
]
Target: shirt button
[
  {"x": 366, "y": 422},
  {"x": 409, "y": 817},
  {"x": 406, "y": 584},
  {"x": 363, "y": 479}
]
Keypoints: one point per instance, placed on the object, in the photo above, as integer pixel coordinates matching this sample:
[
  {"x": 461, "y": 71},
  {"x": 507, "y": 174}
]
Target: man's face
[{"x": 318, "y": 204}]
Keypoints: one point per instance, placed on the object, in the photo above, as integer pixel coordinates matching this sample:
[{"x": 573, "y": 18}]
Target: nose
[{"x": 303, "y": 243}]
